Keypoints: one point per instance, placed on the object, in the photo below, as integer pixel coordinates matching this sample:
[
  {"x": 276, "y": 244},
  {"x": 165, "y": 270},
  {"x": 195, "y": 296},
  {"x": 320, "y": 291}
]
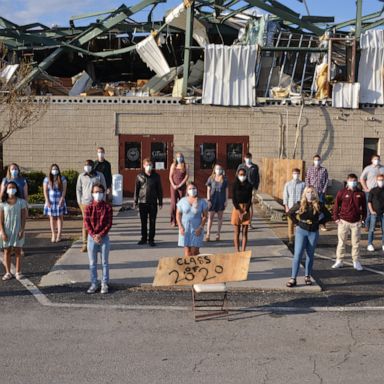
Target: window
[
  {"x": 371, "y": 147},
  {"x": 159, "y": 155},
  {"x": 207, "y": 155},
  {"x": 132, "y": 155},
  {"x": 234, "y": 155}
]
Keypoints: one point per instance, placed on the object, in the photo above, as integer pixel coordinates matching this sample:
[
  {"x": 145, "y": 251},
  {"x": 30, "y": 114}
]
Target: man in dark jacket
[
  {"x": 104, "y": 166},
  {"x": 349, "y": 211},
  {"x": 148, "y": 193},
  {"x": 252, "y": 172}
]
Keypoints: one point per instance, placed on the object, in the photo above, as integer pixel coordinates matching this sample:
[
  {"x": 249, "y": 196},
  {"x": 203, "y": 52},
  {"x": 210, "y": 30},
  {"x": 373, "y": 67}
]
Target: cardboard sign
[{"x": 202, "y": 269}]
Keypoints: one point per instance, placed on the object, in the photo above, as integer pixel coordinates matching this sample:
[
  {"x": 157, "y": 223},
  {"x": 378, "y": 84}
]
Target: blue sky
[{"x": 59, "y": 11}]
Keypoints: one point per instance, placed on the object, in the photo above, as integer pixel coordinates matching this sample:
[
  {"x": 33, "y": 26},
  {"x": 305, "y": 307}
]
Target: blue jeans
[
  {"x": 372, "y": 225},
  {"x": 304, "y": 241},
  {"x": 368, "y": 218},
  {"x": 93, "y": 249},
  {"x": 322, "y": 197}
]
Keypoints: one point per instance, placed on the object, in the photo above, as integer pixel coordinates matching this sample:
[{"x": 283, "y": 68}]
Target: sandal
[
  {"x": 207, "y": 238},
  {"x": 7, "y": 276},
  {"x": 217, "y": 238},
  {"x": 308, "y": 280},
  {"x": 291, "y": 283}
]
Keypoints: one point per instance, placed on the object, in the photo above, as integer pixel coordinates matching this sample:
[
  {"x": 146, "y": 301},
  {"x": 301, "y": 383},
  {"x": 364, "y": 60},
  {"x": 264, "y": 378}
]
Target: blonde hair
[
  {"x": 304, "y": 202},
  {"x": 183, "y": 164},
  {"x": 213, "y": 174}
]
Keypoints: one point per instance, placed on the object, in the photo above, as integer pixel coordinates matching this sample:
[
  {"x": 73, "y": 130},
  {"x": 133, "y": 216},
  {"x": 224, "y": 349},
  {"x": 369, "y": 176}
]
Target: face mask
[
  {"x": 352, "y": 184},
  {"x": 242, "y": 178},
  {"x": 376, "y": 162},
  {"x": 295, "y": 176},
  {"x": 55, "y": 172},
  {"x": 148, "y": 168},
  {"x": 14, "y": 172},
  {"x": 309, "y": 196},
  {"x": 192, "y": 192},
  {"x": 316, "y": 163},
  {"x": 248, "y": 161},
  {"x": 218, "y": 171},
  {"x": 87, "y": 169},
  {"x": 100, "y": 155},
  {"x": 11, "y": 191},
  {"x": 180, "y": 159},
  {"x": 98, "y": 196},
  {"x": 380, "y": 183}
]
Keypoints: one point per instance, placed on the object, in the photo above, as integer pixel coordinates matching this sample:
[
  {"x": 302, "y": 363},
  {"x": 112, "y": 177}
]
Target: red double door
[
  {"x": 228, "y": 151},
  {"x": 133, "y": 149}
]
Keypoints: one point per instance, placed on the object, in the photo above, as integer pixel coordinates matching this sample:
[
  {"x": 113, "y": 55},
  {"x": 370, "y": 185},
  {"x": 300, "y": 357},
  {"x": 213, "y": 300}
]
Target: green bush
[
  {"x": 35, "y": 181},
  {"x": 71, "y": 176},
  {"x": 36, "y": 198}
]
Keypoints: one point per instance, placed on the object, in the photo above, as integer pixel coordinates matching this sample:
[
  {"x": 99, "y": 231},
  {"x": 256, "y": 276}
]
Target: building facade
[{"x": 131, "y": 129}]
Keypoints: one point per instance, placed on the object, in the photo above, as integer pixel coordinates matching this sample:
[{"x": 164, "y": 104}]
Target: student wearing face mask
[
  {"x": 13, "y": 214},
  {"x": 368, "y": 180},
  {"x": 55, "y": 189},
  {"x": 217, "y": 197},
  {"x": 191, "y": 217},
  {"x": 376, "y": 209},
  {"x": 98, "y": 221},
  {"x": 84, "y": 185},
  {"x": 104, "y": 166},
  {"x": 293, "y": 191},
  {"x": 148, "y": 194},
  {"x": 349, "y": 210},
  {"x": 307, "y": 215},
  {"x": 241, "y": 215},
  {"x": 178, "y": 176},
  {"x": 252, "y": 172},
  {"x": 317, "y": 177},
  {"x": 14, "y": 174}
]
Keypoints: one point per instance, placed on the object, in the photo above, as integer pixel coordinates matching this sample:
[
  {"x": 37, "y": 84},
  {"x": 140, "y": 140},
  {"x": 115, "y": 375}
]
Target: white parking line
[
  {"x": 44, "y": 301},
  {"x": 351, "y": 264}
]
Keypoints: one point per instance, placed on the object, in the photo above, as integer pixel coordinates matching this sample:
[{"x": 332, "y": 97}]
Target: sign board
[{"x": 202, "y": 269}]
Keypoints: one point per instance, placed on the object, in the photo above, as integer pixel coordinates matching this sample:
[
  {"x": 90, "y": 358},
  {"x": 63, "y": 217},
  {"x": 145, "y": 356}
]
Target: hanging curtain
[
  {"x": 346, "y": 95},
  {"x": 229, "y": 75},
  {"x": 150, "y": 53},
  {"x": 371, "y": 67}
]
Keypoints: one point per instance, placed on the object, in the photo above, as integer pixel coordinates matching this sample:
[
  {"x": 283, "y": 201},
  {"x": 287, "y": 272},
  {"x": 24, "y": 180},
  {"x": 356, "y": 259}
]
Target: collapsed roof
[{"x": 119, "y": 48}]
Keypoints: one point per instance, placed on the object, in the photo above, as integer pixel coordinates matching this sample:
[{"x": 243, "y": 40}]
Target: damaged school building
[{"x": 213, "y": 79}]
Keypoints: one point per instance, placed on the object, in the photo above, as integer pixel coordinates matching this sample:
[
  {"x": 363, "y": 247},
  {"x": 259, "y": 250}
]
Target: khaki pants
[
  {"x": 84, "y": 230},
  {"x": 343, "y": 229},
  {"x": 291, "y": 229}
]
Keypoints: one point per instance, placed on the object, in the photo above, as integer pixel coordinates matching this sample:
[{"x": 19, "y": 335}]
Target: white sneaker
[
  {"x": 92, "y": 288},
  {"x": 338, "y": 264},
  {"x": 370, "y": 248},
  {"x": 104, "y": 288},
  {"x": 357, "y": 266},
  {"x": 382, "y": 247}
]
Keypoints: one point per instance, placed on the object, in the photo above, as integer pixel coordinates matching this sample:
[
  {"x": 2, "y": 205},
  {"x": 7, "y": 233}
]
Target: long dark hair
[
  {"x": 5, "y": 196},
  {"x": 52, "y": 179}
]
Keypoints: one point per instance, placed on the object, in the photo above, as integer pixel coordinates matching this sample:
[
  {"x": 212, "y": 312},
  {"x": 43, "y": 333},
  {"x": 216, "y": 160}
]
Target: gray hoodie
[{"x": 84, "y": 186}]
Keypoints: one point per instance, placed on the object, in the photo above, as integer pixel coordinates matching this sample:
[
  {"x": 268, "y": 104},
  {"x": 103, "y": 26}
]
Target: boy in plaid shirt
[{"x": 98, "y": 221}]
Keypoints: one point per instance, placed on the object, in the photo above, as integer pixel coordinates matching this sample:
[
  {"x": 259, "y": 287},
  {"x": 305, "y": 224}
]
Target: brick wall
[{"x": 70, "y": 132}]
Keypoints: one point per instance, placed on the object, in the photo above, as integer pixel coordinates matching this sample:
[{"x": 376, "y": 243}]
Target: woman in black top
[
  {"x": 242, "y": 201},
  {"x": 307, "y": 214}
]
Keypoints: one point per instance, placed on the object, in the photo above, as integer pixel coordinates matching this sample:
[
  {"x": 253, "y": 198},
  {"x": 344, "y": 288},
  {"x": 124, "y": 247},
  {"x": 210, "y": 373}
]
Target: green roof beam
[{"x": 287, "y": 16}]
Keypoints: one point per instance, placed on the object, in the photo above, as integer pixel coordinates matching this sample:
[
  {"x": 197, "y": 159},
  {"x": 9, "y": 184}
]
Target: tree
[{"x": 19, "y": 108}]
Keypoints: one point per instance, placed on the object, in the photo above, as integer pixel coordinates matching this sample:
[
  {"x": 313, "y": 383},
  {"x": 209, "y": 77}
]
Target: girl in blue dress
[
  {"x": 191, "y": 216},
  {"x": 13, "y": 214},
  {"x": 55, "y": 188}
]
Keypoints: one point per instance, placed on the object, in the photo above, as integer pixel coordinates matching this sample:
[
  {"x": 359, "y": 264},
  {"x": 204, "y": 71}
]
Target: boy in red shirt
[{"x": 98, "y": 221}]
